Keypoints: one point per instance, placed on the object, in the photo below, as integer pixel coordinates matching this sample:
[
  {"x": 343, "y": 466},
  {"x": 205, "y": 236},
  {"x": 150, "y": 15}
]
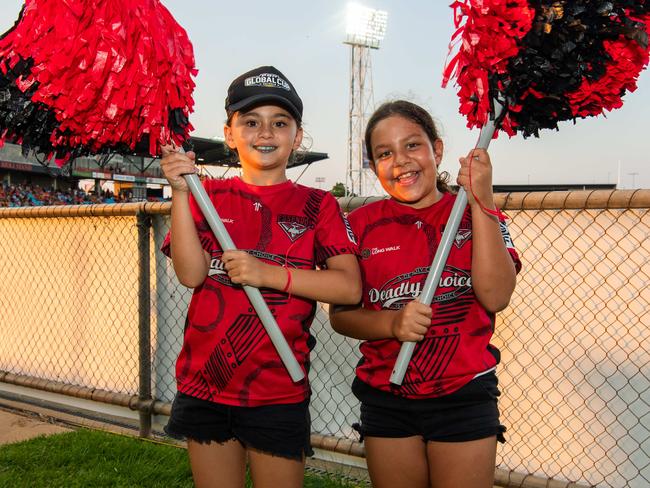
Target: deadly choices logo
[
  {"x": 217, "y": 270},
  {"x": 398, "y": 291}
]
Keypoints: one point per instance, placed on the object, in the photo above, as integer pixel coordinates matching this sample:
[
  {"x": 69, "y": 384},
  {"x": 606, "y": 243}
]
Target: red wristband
[{"x": 287, "y": 287}]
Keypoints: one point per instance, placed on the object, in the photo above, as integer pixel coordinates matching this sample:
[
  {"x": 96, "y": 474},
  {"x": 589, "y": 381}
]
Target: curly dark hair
[{"x": 415, "y": 114}]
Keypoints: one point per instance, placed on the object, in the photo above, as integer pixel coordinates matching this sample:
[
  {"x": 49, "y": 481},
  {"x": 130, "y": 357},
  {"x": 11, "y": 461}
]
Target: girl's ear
[
  {"x": 438, "y": 147},
  {"x": 227, "y": 134},
  {"x": 297, "y": 140}
]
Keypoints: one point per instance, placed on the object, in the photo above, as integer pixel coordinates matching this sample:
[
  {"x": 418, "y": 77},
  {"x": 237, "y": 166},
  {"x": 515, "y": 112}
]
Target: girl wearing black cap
[{"x": 235, "y": 399}]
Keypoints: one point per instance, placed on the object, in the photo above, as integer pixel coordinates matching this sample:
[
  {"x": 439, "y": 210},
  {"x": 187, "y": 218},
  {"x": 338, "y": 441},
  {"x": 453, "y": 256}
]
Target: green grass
[{"x": 88, "y": 458}]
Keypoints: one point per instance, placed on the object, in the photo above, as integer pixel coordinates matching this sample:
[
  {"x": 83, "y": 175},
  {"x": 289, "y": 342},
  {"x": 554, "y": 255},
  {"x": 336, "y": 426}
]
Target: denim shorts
[
  {"x": 280, "y": 430},
  {"x": 468, "y": 414}
]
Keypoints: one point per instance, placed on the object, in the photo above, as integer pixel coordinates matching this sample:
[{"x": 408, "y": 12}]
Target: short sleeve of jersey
[
  {"x": 206, "y": 236},
  {"x": 334, "y": 235}
]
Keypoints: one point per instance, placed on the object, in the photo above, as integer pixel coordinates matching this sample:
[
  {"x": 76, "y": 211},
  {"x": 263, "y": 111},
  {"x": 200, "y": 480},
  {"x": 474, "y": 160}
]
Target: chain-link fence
[
  {"x": 576, "y": 367},
  {"x": 575, "y": 370},
  {"x": 69, "y": 299}
]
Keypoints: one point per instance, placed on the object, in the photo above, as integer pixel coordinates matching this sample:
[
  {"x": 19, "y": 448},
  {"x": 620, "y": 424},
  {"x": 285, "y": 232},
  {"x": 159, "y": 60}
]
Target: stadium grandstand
[{"x": 28, "y": 180}]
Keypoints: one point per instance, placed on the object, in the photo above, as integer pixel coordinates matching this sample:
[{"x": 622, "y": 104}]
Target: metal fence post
[{"x": 144, "y": 324}]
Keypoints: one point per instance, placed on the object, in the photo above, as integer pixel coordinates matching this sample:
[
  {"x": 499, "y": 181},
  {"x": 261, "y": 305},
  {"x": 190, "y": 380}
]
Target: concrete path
[{"x": 16, "y": 428}]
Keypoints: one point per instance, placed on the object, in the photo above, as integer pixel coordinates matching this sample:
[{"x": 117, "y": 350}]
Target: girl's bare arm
[
  {"x": 408, "y": 324},
  {"x": 340, "y": 282}
]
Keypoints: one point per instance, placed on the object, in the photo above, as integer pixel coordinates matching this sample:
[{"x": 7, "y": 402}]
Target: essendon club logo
[
  {"x": 462, "y": 236},
  {"x": 294, "y": 226},
  {"x": 464, "y": 232}
]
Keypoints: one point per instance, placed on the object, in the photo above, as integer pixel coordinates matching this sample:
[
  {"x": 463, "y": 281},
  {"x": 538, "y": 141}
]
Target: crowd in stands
[{"x": 26, "y": 195}]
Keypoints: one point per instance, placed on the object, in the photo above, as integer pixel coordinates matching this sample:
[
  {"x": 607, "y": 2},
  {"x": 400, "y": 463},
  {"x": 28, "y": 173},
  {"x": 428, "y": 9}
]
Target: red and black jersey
[
  {"x": 397, "y": 245},
  {"x": 227, "y": 357}
]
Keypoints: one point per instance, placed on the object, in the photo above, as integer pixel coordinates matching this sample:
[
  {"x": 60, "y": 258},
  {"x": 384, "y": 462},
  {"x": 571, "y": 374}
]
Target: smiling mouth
[
  {"x": 408, "y": 177},
  {"x": 265, "y": 149}
]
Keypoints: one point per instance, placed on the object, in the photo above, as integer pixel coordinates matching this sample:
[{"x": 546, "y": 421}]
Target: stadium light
[{"x": 365, "y": 26}]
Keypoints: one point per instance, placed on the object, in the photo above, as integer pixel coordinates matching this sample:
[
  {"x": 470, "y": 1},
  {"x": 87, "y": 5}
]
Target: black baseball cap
[{"x": 260, "y": 85}]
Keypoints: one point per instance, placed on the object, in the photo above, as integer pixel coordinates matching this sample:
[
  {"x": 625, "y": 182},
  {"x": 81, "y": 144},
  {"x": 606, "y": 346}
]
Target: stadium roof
[{"x": 215, "y": 152}]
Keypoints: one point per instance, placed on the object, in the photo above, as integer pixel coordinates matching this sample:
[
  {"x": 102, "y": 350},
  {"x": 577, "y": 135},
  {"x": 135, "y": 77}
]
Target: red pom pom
[
  {"x": 110, "y": 70},
  {"x": 552, "y": 62}
]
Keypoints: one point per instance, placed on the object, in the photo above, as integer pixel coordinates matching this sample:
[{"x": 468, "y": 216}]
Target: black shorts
[
  {"x": 468, "y": 414},
  {"x": 280, "y": 430}
]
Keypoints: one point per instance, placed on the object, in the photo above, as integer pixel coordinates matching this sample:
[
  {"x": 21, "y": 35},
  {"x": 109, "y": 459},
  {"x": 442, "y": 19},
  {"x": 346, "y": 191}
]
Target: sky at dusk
[{"x": 304, "y": 39}]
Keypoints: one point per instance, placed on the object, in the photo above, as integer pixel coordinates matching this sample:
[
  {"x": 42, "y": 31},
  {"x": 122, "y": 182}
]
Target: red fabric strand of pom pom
[
  {"x": 490, "y": 34},
  {"x": 628, "y": 59}
]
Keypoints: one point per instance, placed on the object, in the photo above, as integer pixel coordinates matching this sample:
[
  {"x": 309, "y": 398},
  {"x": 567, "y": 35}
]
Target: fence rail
[{"x": 575, "y": 372}]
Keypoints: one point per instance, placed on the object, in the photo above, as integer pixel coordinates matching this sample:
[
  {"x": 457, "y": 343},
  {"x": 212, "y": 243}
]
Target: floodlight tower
[{"x": 365, "y": 30}]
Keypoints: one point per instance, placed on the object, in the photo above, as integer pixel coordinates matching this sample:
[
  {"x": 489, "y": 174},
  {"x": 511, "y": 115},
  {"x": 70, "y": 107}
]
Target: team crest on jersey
[
  {"x": 462, "y": 236},
  {"x": 294, "y": 226}
]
